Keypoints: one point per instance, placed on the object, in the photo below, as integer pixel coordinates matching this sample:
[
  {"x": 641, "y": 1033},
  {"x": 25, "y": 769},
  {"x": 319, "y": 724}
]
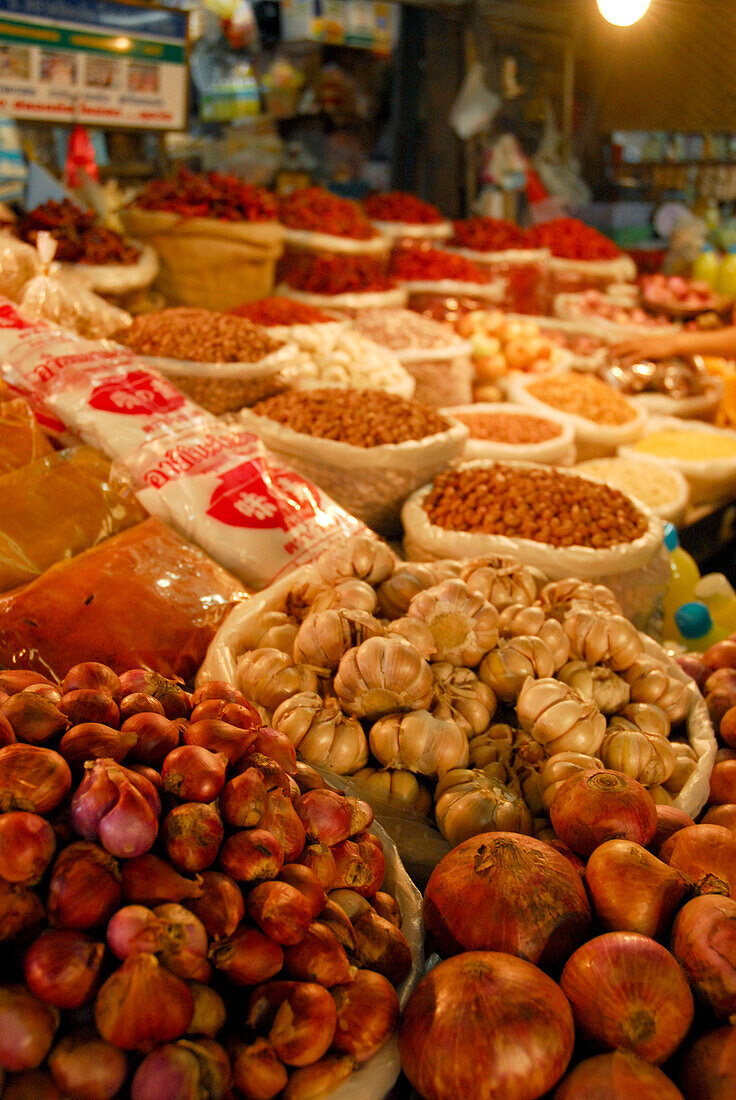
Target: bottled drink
[
  {"x": 707, "y": 267},
  {"x": 719, "y": 597},
  {"x": 696, "y": 628},
  {"x": 684, "y": 576}
]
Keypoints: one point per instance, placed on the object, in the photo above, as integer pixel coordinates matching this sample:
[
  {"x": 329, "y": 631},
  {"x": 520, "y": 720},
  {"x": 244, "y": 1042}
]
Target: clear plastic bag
[
  {"x": 21, "y": 438},
  {"x": 18, "y": 263}
]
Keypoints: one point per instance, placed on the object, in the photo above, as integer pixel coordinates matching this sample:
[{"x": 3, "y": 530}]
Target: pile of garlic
[{"x": 476, "y": 685}]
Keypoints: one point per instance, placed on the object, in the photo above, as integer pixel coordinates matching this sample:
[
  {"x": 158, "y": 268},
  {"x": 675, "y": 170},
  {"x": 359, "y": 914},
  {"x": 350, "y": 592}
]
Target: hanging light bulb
[{"x": 623, "y": 13}]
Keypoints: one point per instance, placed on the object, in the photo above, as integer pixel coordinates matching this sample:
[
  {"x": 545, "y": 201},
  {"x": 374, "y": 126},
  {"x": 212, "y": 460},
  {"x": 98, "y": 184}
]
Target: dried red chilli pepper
[
  {"x": 281, "y": 311},
  {"x": 209, "y": 195},
  {"x": 421, "y": 263},
  {"x": 487, "y": 235},
  {"x": 316, "y": 209},
  {"x": 78, "y": 235},
  {"x": 571, "y": 239},
  {"x": 335, "y": 273},
  {"x": 397, "y": 206}
]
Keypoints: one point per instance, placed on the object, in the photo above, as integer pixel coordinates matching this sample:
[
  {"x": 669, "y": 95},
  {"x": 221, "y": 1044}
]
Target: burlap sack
[{"x": 208, "y": 263}]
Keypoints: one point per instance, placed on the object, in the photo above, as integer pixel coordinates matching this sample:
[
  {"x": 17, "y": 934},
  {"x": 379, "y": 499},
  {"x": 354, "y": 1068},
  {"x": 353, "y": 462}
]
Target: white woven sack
[
  {"x": 710, "y": 479},
  {"x": 414, "y": 231},
  {"x": 312, "y": 241},
  {"x": 559, "y": 450},
  {"x": 119, "y": 278},
  {"x": 367, "y": 299}
]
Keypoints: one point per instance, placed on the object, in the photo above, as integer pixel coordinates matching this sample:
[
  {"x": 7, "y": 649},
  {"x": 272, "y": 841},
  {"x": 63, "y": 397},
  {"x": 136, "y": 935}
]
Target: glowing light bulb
[{"x": 623, "y": 13}]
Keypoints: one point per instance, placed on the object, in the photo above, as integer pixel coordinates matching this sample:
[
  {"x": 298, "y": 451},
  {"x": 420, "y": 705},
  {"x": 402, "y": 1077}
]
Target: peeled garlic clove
[
  {"x": 270, "y": 630},
  {"x": 350, "y": 594},
  {"x": 464, "y": 626},
  {"x": 560, "y": 768},
  {"x": 383, "y": 675},
  {"x": 268, "y": 677},
  {"x": 463, "y": 697},
  {"x": 508, "y": 666},
  {"x": 325, "y": 637},
  {"x": 502, "y": 581},
  {"x": 367, "y": 559},
  {"x": 416, "y": 633},
  {"x": 419, "y": 743},
  {"x": 396, "y": 593},
  {"x": 599, "y": 684}
]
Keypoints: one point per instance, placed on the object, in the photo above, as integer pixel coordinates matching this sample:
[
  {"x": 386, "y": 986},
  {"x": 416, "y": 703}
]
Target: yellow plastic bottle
[
  {"x": 707, "y": 267},
  {"x": 696, "y": 629},
  {"x": 727, "y": 275},
  {"x": 719, "y": 597},
  {"x": 684, "y": 577}
]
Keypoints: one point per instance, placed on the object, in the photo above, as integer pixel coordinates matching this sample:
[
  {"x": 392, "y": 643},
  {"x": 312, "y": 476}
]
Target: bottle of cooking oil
[
  {"x": 707, "y": 267},
  {"x": 696, "y": 629},
  {"x": 684, "y": 577}
]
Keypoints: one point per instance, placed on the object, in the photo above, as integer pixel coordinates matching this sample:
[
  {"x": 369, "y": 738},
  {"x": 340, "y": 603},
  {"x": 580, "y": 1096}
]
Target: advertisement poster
[{"x": 97, "y": 62}]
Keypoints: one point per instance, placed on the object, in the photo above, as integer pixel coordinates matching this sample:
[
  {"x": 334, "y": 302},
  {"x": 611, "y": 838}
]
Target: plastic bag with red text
[{"x": 223, "y": 490}]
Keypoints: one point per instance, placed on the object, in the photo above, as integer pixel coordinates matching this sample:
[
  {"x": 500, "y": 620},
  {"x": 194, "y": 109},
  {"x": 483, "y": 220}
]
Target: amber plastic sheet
[
  {"x": 57, "y": 507},
  {"x": 21, "y": 438},
  {"x": 144, "y": 598}
]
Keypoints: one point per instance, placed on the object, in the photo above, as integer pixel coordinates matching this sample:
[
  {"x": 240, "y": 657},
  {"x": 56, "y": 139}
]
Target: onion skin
[
  {"x": 318, "y": 957},
  {"x": 506, "y": 892},
  {"x": 281, "y": 820},
  {"x": 85, "y": 887},
  {"x": 704, "y": 944},
  {"x": 243, "y": 715},
  {"x": 591, "y": 807},
  {"x": 130, "y": 828},
  {"x": 244, "y": 800},
  {"x": 381, "y": 946},
  {"x": 257, "y": 1072},
  {"x": 321, "y": 862},
  {"x": 723, "y": 783},
  {"x": 32, "y": 1084},
  {"x": 94, "y": 676},
  {"x": 251, "y": 856},
  {"x": 13, "y": 680},
  {"x": 633, "y": 891},
  {"x": 192, "y": 834},
  {"x": 140, "y": 980},
  {"x": 210, "y": 1014},
  {"x": 280, "y": 911},
  {"x": 628, "y": 991},
  {"x": 326, "y": 816},
  {"x": 669, "y": 821},
  {"x": 708, "y": 1070},
  {"x": 27, "y": 1026},
  {"x": 193, "y": 774},
  {"x": 220, "y": 904},
  {"x": 93, "y": 741},
  {"x": 149, "y": 880},
  {"x": 617, "y": 1076},
  {"x": 707, "y": 854},
  {"x": 360, "y": 866},
  {"x": 185, "y": 943},
  {"x": 218, "y": 689},
  {"x": 308, "y": 885},
  {"x": 156, "y": 737},
  {"x": 34, "y": 719},
  {"x": 87, "y": 1068},
  {"x": 721, "y": 655},
  {"x": 724, "y": 815},
  {"x": 221, "y": 737},
  {"x": 33, "y": 778},
  {"x": 248, "y": 956},
  {"x": 21, "y": 911},
  {"x": 508, "y": 1026},
  {"x": 179, "y": 1071},
  {"x": 308, "y": 778},
  {"x": 304, "y": 1025},
  {"x": 277, "y": 746},
  {"x": 319, "y": 1079},
  {"x": 139, "y": 703},
  {"x": 272, "y": 774},
  {"x": 27, "y": 846},
  {"x": 7, "y": 735},
  {"x": 63, "y": 968},
  {"x": 90, "y": 705},
  {"x": 367, "y": 1014}
]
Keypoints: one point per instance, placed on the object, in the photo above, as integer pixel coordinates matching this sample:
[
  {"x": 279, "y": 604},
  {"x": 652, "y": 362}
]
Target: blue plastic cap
[
  {"x": 671, "y": 538},
  {"x": 693, "y": 620}
]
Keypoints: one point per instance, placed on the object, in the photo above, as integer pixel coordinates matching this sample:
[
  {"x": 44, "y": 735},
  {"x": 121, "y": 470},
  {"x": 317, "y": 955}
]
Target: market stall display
[
  {"x": 670, "y": 387},
  {"x": 665, "y": 491},
  {"x": 501, "y": 248},
  {"x": 502, "y": 344},
  {"x": 508, "y": 431},
  {"x": 401, "y": 216},
  {"x": 680, "y": 299},
  {"x": 704, "y": 455},
  {"x": 597, "y": 305}
]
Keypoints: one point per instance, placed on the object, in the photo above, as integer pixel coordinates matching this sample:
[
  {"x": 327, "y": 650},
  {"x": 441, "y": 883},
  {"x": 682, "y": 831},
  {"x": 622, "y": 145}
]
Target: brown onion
[
  {"x": 258, "y": 1074},
  {"x": 149, "y": 880},
  {"x": 591, "y": 807},
  {"x": 210, "y": 1014},
  {"x": 280, "y": 911},
  {"x": 27, "y": 1027},
  {"x": 319, "y": 1079},
  {"x": 337, "y": 920},
  {"x": 387, "y": 907},
  {"x": 633, "y": 891},
  {"x": 219, "y": 904},
  {"x": 669, "y": 820},
  {"x": 721, "y": 655},
  {"x": 221, "y": 737},
  {"x": 724, "y": 816},
  {"x": 708, "y": 1070},
  {"x": 617, "y": 1076},
  {"x": 707, "y": 854},
  {"x": 307, "y": 883},
  {"x": 272, "y": 774},
  {"x": 33, "y": 778},
  {"x": 33, "y": 718},
  {"x": 326, "y": 816},
  {"x": 243, "y": 715},
  {"x": 192, "y": 834},
  {"x": 723, "y": 783},
  {"x": 248, "y": 956},
  {"x": 304, "y": 1024},
  {"x": 139, "y": 703},
  {"x": 185, "y": 942},
  {"x": 85, "y": 887},
  {"x": 628, "y": 991},
  {"x": 367, "y": 1013},
  {"x": 141, "y": 980},
  {"x": 704, "y": 944},
  {"x": 27, "y": 845},
  {"x": 244, "y": 800},
  {"x": 281, "y": 820},
  {"x": 308, "y": 778},
  {"x": 218, "y": 689},
  {"x": 7, "y": 735},
  {"x": 90, "y": 705},
  {"x": 93, "y": 676},
  {"x": 276, "y": 746},
  {"x": 156, "y": 737},
  {"x": 179, "y": 1071},
  {"x": 13, "y": 680},
  {"x": 87, "y": 1068},
  {"x": 32, "y": 1084},
  {"x": 506, "y": 892},
  {"x": 63, "y": 967},
  {"x": 360, "y": 866},
  {"x": 172, "y": 697},
  {"x": 21, "y": 911},
  {"x": 251, "y": 855},
  {"x": 507, "y": 1024},
  {"x": 130, "y": 827},
  {"x": 321, "y": 862},
  {"x": 381, "y": 946},
  {"x": 193, "y": 774},
  {"x": 318, "y": 957},
  {"x": 93, "y": 741}
]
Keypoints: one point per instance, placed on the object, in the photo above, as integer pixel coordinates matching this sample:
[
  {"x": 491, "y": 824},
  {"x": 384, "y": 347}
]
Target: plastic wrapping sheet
[
  {"x": 144, "y": 598},
  {"x": 222, "y": 490},
  {"x": 18, "y": 263},
  {"x": 21, "y": 438},
  {"x": 63, "y": 298},
  {"x": 57, "y": 507},
  {"x": 119, "y": 279},
  {"x": 371, "y": 482},
  {"x": 99, "y": 390}
]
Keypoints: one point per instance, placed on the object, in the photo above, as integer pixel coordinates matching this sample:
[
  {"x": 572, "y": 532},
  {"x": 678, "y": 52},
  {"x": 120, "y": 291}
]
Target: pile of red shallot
[
  {"x": 579, "y": 962},
  {"x": 185, "y": 911}
]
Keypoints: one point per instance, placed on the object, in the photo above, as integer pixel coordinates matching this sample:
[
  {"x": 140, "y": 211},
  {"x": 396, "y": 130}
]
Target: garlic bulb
[
  {"x": 325, "y": 637},
  {"x": 650, "y": 682},
  {"x": 560, "y": 768},
  {"x": 502, "y": 581},
  {"x": 368, "y": 559},
  {"x": 396, "y": 593},
  {"x": 506, "y": 668},
  {"x": 648, "y": 758},
  {"x": 268, "y": 676},
  {"x": 661, "y": 796},
  {"x": 526, "y": 753},
  {"x": 304, "y": 586},
  {"x": 558, "y": 642},
  {"x": 559, "y": 718},
  {"x": 518, "y": 618},
  {"x": 419, "y": 743},
  {"x": 351, "y": 594},
  {"x": 558, "y": 597},
  {"x": 686, "y": 761},
  {"x": 416, "y": 633},
  {"x": 596, "y": 637},
  {"x": 400, "y": 789},
  {"x": 322, "y": 734},
  {"x": 270, "y": 630},
  {"x": 493, "y": 746},
  {"x": 383, "y": 675},
  {"x": 460, "y": 695},
  {"x": 607, "y": 690},
  {"x": 646, "y": 717},
  {"x": 464, "y": 625},
  {"x": 469, "y": 803}
]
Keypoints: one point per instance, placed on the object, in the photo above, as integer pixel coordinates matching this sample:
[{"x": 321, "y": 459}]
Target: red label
[
  {"x": 10, "y": 318},
  {"x": 137, "y": 393},
  {"x": 246, "y": 497}
]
